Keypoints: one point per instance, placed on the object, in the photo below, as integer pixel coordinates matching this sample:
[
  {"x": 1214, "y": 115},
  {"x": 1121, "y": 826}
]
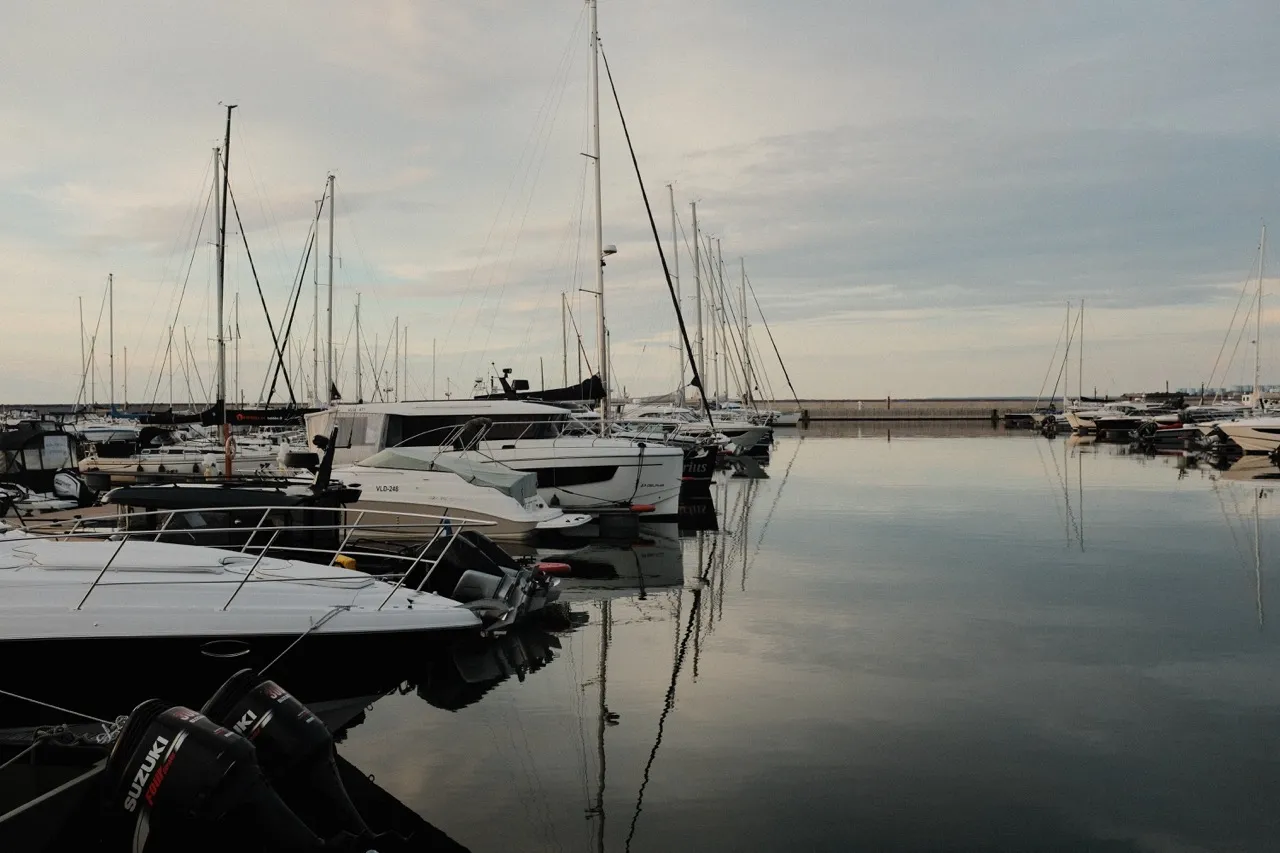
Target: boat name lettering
[{"x": 386, "y": 488}]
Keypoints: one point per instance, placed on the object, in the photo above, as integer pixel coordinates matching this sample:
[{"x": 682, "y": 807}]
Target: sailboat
[
  {"x": 210, "y": 456},
  {"x": 1259, "y": 434}
]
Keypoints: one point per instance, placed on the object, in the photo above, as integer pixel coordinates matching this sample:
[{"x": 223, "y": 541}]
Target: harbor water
[{"x": 923, "y": 638}]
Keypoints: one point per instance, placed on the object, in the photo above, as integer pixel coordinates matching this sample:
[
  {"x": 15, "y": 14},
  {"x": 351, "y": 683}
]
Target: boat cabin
[
  {"x": 366, "y": 428},
  {"x": 33, "y": 451}
]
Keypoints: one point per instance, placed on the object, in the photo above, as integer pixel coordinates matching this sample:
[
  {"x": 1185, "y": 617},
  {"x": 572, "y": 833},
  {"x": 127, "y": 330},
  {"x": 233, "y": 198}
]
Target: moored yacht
[
  {"x": 419, "y": 480},
  {"x": 1253, "y": 435},
  {"x": 180, "y": 618},
  {"x": 573, "y": 472}
]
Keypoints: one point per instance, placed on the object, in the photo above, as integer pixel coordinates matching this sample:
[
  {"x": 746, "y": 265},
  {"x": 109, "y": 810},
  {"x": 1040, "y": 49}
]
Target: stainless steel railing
[{"x": 435, "y": 528}]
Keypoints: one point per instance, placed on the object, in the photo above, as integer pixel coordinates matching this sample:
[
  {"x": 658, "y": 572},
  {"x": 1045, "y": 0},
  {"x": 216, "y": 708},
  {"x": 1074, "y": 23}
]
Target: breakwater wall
[{"x": 891, "y": 409}]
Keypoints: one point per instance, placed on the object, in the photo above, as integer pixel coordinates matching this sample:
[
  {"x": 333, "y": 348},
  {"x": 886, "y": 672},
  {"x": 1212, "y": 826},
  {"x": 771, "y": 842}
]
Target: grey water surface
[{"x": 905, "y": 639}]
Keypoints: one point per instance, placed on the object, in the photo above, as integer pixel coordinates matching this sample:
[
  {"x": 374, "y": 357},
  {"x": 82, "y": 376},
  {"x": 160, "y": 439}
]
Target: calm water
[{"x": 953, "y": 639}]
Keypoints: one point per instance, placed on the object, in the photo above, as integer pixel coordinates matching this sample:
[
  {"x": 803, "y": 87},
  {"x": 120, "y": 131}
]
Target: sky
[{"x": 916, "y": 189}]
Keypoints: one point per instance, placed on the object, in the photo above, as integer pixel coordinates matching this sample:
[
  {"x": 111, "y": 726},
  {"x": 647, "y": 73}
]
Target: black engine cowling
[
  {"x": 176, "y": 776},
  {"x": 296, "y": 753}
]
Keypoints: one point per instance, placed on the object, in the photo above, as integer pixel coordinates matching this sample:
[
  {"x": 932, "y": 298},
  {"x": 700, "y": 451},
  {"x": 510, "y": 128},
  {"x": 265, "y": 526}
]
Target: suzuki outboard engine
[
  {"x": 295, "y": 751},
  {"x": 185, "y": 781}
]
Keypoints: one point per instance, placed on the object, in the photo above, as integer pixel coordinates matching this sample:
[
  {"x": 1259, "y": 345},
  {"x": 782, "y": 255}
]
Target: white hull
[
  {"x": 206, "y": 464},
  {"x": 162, "y": 590},
  {"x": 1253, "y": 435},
  {"x": 649, "y": 475}
]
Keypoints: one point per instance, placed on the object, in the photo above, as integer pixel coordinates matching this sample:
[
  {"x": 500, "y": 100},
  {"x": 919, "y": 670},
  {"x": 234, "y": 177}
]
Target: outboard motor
[
  {"x": 68, "y": 485},
  {"x": 182, "y": 778},
  {"x": 295, "y": 751}
]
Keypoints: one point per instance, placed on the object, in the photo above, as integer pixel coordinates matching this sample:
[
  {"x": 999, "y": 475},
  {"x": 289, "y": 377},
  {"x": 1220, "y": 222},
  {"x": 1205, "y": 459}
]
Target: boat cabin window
[
  {"x": 49, "y": 453},
  {"x": 351, "y": 429},
  {"x": 434, "y": 430}
]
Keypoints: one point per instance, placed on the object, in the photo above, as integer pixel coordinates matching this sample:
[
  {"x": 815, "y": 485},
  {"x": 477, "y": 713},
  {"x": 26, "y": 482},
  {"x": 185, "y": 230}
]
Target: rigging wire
[
  {"x": 176, "y": 309},
  {"x": 516, "y": 172},
  {"x": 666, "y": 271},
  {"x": 279, "y": 353},
  {"x": 768, "y": 330},
  {"x": 188, "y": 222}
]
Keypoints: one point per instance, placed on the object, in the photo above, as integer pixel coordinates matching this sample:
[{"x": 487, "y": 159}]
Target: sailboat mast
[
  {"x": 603, "y": 357},
  {"x": 359, "y": 369},
  {"x": 84, "y": 366},
  {"x": 111, "y": 338},
  {"x": 746, "y": 340},
  {"x": 1066, "y": 354},
  {"x": 397, "y": 375},
  {"x": 724, "y": 320},
  {"x": 235, "y": 310},
  {"x": 564, "y": 340},
  {"x": 315, "y": 308},
  {"x": 675, "y": 274},
  {"x": 1080, "y": 374},
  {"x": 170, "y": 368},
  {"x": 697, "y": 289},
  {"x": 222, "y": 269},
  {"x": 329, "y": 350},
  {"x": 1257, "y": 346}
]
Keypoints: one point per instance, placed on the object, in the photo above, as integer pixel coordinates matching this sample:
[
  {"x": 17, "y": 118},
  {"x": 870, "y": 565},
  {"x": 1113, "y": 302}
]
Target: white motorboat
[
  {"x": 1253, "y": 435},
  {"x": 157, "y": 616},
  {"x": 415, "y": 480},
  {"x": 730, "y": 423},
  {"x": 574, "y": 472}
]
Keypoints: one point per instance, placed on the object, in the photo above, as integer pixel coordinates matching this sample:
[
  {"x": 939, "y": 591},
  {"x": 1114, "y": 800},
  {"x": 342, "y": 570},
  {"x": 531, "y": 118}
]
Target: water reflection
[{"x": 914, "y": 643}]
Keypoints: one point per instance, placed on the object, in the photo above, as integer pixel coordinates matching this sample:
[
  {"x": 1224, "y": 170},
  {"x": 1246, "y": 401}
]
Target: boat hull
[
  {"x": 1251, "y": 439},
  {"x": 188, "y": 669},
  {"x": 591, "y": 479}
]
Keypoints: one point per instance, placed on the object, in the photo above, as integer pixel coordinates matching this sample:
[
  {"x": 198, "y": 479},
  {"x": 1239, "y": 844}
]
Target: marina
[
  {"x": 980, "y": 576},
  {"x": 588, "y": 426}
]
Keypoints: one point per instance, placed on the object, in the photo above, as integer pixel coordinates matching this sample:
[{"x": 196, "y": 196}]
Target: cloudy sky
[{"x": 917, "y": 188}]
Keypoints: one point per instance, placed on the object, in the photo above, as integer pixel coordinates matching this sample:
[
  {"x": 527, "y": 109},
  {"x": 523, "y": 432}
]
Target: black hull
[
  {"x": 109, "y": 677},
  {"x": 699, "y": 464}
]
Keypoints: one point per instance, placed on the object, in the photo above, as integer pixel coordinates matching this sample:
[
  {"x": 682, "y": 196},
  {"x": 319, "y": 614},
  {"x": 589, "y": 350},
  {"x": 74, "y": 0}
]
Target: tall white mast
[
  {"x": 603, "y": 358},
  {"x": 1257, "y": 347},
  {"x": 328, "y": 391},
  {"x": 1066, "y": 374},
  {"x": 359, "y": 377},
  {"x": 564, "y": 337},
  {"x": 747, "y": 396},
  {"x": 724, "y": 320},
  {"x": 675, "y": 274},
  {"x": 397, "y": 376},
  {"x": 111, "y": 338},
  {"x": 84, "y": 365},
  {"x": 701, "y": 366},
  {"x": 1080, "y": 374}
]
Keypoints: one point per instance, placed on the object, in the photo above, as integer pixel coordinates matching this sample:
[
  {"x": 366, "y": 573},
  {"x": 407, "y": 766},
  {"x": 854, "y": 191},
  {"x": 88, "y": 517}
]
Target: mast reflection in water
[{"x": 961, "y": 640}]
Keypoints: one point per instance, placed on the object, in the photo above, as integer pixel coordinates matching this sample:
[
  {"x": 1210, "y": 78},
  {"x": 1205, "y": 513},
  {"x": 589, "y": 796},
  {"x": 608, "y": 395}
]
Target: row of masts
[{"x": 725, "y": 334}]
